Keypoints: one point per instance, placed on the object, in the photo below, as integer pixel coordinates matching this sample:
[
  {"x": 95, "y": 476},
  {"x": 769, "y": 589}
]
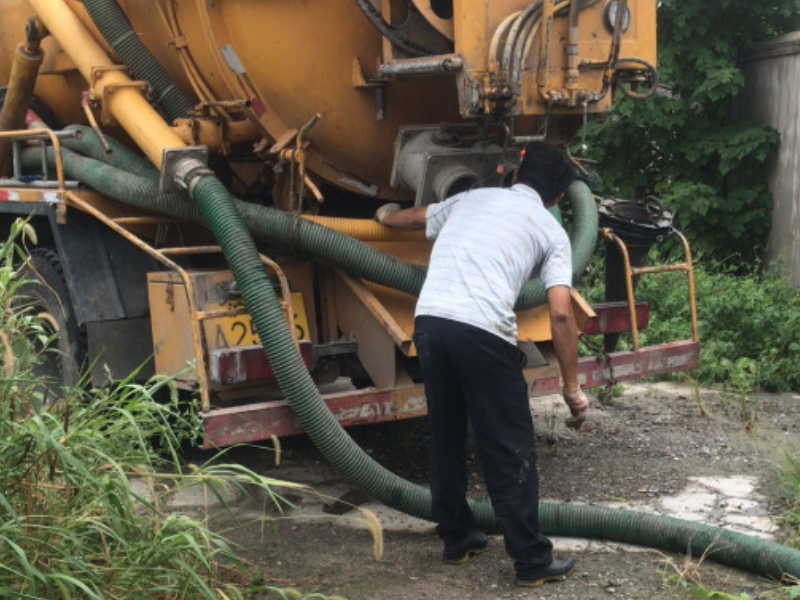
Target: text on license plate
[{"x": 238, "y": 330}]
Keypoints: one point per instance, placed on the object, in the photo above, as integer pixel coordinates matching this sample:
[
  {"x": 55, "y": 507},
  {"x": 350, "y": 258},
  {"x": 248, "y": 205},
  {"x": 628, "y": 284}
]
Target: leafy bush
[
  {"x": 687, "y": 144},
  {"x": 70, "y": 524},
  {"x": 749, "y": 323}
]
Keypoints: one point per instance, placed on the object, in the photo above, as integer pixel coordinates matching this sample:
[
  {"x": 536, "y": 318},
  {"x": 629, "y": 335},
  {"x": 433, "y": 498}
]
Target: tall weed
[{"x": 70, "y": 524}]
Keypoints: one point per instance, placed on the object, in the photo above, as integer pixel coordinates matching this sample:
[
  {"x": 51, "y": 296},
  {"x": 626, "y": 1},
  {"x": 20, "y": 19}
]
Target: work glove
[
  {"x": 386, "y": 210},
  {"x": 578, "y": 404}
]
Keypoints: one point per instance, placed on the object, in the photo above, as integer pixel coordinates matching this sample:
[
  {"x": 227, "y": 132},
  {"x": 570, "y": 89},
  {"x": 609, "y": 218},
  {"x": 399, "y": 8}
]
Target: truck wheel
[{"x": 45, "y": 291}]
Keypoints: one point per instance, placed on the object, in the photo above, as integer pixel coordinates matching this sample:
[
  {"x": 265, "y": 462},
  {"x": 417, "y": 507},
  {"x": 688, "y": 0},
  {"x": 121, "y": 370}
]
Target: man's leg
[
  {"x": 448, "y": 420},
  {"x": 497, "y": 401}
]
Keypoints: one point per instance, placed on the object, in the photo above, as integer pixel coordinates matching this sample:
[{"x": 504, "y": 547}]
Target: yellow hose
[{"x": 367, "y": 230}]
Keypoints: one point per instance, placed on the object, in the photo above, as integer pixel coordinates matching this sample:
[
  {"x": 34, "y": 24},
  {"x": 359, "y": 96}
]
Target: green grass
[{"x": 70, "y": 526}]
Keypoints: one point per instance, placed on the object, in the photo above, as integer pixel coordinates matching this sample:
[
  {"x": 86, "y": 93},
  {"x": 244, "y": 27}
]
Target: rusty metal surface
[
  {"x": 425, "y": 65},
  {"x": 646, "y": 362},
  {"x": 614, "y": 317},
  {"x": 231, "y": 366},
  {"x": 259, "y": 421},
  {"x": 252, "y": 422}
]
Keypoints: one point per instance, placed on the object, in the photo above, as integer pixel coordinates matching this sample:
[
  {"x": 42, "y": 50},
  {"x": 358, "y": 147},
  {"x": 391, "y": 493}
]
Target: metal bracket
[
  {"x": 97, "y": 73},
  {"x": 170, "y": 160}
]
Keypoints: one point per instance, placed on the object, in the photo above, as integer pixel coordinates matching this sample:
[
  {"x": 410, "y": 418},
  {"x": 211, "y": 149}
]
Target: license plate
[{"x": 238, "y": 330}]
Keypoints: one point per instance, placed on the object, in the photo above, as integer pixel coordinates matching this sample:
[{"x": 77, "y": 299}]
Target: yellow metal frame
[
  {"x": 162, "y": 255},
  {"x": 630, "y": 271}
]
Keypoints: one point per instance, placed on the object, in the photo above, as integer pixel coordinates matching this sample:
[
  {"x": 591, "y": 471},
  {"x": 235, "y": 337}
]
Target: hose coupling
[
  {"x": 181, "y": 168},
  {"x": 189, "y": 171}
]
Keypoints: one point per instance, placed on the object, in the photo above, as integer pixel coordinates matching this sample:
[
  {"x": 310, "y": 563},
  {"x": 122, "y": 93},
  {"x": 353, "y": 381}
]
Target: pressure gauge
[{"x": 611, "y": 16}]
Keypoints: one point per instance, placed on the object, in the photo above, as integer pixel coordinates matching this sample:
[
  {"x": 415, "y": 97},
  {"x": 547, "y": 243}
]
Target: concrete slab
[{"x": 204, "y": 496}]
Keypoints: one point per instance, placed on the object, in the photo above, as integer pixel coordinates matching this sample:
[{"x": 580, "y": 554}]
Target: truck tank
[{"x": 372, "y": 77}]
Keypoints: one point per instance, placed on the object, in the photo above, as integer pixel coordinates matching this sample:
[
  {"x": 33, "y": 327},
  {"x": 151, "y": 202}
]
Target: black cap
[{"x": 546, "y": 169}]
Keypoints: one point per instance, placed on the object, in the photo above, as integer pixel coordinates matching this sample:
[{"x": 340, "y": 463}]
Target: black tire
[
  {"x": 45, "y": 290},
  {"x": 39, "y": 107}
]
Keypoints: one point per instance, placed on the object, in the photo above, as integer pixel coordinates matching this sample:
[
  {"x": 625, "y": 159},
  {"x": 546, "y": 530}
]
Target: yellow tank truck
[
  {"x": 308, "y": 115},
  {"x": 202, "y": 175},
  {"x": 127, "y": 123}
]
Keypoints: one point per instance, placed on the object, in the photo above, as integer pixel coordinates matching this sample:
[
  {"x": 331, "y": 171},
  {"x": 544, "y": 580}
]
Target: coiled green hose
[
  {"x": 288, "y": 231},
  {"x": 117, "y": 31}
]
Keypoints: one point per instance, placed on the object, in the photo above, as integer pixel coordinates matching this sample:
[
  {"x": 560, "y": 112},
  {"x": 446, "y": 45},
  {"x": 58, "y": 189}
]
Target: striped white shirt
[{"x": 489, "y": 242}]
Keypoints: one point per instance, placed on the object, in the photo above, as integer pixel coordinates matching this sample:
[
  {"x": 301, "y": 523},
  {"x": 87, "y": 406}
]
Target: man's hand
[
  {"x": 578, "y": 403},
  {"x": 386, "y": 210},
  {"x": 393, "y": 215}
]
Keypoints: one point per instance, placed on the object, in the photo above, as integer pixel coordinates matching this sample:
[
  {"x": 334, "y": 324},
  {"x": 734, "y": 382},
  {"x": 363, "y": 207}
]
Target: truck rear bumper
[{"x": 260, "y": 421}]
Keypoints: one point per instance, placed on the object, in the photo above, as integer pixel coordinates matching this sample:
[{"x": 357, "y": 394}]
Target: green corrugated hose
[
  {"x": 117, "y": 31},
  {"x": 221, "y": 213},
  {"x": 119, "y": 155},
  {"x": 728, "y": 547},
  {"x": 292, "y": 233}
]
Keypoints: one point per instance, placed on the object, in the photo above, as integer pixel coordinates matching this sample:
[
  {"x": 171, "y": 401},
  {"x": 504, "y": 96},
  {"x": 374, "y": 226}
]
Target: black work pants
[{"x": 472, "y": 374}]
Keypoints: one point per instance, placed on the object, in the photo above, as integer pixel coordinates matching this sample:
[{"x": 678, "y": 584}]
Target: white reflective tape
[{"x": 233, "y": 59}]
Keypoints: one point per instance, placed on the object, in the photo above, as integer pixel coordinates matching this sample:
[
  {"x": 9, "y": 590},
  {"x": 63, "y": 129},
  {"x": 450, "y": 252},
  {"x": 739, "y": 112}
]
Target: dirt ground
[{"x": 640, "y": 450}]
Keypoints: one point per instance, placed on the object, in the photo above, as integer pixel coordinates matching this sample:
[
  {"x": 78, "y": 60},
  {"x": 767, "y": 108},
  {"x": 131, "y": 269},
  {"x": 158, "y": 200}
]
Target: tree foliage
[{"x": 688, "y": 144}]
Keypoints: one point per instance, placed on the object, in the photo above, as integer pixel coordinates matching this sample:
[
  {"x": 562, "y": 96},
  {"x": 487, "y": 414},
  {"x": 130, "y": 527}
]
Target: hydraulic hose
[
  {"x": 290, "y": 232},
  {"x": 220, "y": 211},
  {"x": 117, "y": 31}
]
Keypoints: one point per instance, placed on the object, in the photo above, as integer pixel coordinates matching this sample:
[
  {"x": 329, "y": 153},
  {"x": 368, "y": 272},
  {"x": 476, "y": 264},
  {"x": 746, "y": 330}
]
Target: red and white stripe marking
[{"x": 9, "y": 196}]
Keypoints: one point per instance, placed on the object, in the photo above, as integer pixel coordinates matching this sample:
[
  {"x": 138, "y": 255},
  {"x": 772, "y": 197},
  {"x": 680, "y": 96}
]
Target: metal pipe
[
  {"x": 548, "y": 11},
  {"x": 630, "y": 272},
  {"x": 149, "y": 220},
  {"x": 626, "y": 261},
  {"x": 687, "y": 251},
  {"x": 24, "y": 70},
  {"x": 573, "y": 74},
  {"x": 427, "y": 65},
  {"x": 108, "y": 82}
]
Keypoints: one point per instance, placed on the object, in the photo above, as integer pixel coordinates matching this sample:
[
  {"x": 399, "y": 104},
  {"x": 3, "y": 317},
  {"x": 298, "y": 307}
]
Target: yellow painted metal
[
  {"x": 121, "y": 96},
  {"x": 533, "y": 324},
  {"x": 294, "y": 60},
  {"x": 630, "y": 272},
  {"x": 217, "y": 134},
  {"x": 592, "y": 48}
]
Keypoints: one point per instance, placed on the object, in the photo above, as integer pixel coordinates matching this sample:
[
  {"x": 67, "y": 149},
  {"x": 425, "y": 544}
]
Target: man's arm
[
  {"x": 565, "y": 333},
  {"x": 565, "y": 342},
  {"x": 392, "y": 215}
]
